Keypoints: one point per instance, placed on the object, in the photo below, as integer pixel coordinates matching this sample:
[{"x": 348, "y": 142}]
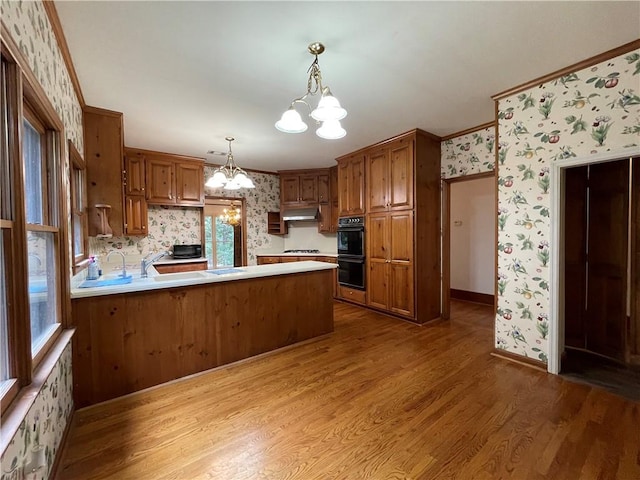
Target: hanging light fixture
[
  {"x": 328, "y": 112},
  {"x": 229, "y": 176},
  {"x": 231, "y": 216}
]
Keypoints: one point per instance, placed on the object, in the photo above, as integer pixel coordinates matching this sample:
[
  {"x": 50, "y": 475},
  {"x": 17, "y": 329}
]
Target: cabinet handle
[
  {"x": 144, "y": 228},
  {"x": 170, "y": 197},
  {"x": 142, "y": 189}
]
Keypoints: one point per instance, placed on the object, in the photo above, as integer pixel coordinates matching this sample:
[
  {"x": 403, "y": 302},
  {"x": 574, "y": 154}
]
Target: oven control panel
[{"x": 351, "y": 221}]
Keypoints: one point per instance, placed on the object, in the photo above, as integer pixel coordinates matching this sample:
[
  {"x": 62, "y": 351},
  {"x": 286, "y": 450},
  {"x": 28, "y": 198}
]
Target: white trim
[{"x": 556, "y": 255}]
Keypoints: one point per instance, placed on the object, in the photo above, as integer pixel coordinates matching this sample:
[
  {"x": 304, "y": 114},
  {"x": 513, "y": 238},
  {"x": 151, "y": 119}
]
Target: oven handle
[{"x": 351, "y": 229}]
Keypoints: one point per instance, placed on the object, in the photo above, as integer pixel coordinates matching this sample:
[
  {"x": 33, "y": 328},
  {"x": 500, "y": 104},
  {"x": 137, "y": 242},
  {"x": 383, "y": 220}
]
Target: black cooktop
[{"x": 302, "y": 251}]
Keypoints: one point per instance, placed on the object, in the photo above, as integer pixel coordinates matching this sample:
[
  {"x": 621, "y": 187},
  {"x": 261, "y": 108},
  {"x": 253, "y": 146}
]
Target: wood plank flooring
[{"x": 377, "y": 399}]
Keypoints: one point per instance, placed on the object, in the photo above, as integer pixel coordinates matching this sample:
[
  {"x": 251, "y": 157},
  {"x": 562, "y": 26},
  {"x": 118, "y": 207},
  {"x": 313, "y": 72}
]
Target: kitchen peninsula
[{"x": 157, "y": 329}]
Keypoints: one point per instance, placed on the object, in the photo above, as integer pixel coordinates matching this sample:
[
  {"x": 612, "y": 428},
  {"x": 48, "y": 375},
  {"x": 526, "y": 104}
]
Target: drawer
[{"x": 352, "y": 294}]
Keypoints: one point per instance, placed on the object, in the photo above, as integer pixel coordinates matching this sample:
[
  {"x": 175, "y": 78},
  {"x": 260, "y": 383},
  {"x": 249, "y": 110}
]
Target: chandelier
[
  {"x": 229, "y": 176},
  {"x": 231, "y": 216},
  {"x": 328, "y": 112}
]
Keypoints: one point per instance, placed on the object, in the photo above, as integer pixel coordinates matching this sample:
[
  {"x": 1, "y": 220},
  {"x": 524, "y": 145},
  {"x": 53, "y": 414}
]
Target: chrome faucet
[
  {"x": 124, "y": 265},
  {"x": 145, "y": 264}
]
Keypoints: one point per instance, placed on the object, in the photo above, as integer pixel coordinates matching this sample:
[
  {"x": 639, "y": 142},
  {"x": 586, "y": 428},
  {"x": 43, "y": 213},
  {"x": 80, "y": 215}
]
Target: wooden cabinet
[
  {"x": 270, "y": 259},
  {"x": 136, "y": 219},
  {"x": 351, "y": 185},
  {"x": 390, "y": 255},
  {"x": 402, "y": 192},
  {"x": 324, "y": 190},
  {"x": 275, "y": 225},
  {"x": 328, "y": 210},
  {"x": 197, "y": 264},
  {"x": 134, "y": 173},
  {"x": 103, "y": 147},
  {"x": 389, "y": 173},
  {"x": 174, "y": 179},
  {"x": 135, "y": 202},
  {"x": 298, "y": 188},
  {"x": 189, "y": 183}
]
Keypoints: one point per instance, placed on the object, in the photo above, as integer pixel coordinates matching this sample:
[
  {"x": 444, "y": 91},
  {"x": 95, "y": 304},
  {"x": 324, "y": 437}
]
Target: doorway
[
  {"x": 224, "y": 237},
  {"x": 468, "y": 240},
  {"x": 600, "y": 271}
]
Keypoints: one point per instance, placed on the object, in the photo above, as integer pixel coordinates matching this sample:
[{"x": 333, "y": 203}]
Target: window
[
  {"x": 78, "y": 183},
  {"x": 34, "y": 263},
  {"x": 42, "y": 231},
  {"x": 223, "y": 243}
]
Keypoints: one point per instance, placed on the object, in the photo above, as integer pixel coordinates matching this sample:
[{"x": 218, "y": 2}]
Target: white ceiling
[{"x": 187, "y": 74}]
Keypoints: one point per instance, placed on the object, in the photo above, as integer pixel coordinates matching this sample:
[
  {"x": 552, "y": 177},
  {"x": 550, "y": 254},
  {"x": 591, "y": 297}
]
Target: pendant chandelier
[
  {"x": 328, "y": 113},
  {"x": 231, "y": 216},
  {"x": 229, "y": 176}
]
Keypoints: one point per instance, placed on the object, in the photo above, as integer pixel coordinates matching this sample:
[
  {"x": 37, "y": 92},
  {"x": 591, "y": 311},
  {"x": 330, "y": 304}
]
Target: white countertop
[{"x": 157, "y": 281}]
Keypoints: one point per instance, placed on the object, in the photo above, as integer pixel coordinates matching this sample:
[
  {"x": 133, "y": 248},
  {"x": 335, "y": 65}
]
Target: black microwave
[{"x": 187, "y": 251}]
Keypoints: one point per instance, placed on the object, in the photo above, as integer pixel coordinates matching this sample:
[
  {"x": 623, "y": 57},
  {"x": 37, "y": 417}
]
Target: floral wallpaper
[
  {"x": 30, "y": 29},
  {"x": 168, "y": 226},
  {"x": 584, "y": 113},
  {"x": 180, "y": 225},
  {"x": 33, "y": 448},
  {"x": 260, "y": 200},
  {"x": 468, "y": 154}
]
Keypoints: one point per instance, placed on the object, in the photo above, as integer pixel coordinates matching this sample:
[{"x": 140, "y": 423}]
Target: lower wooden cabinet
[
  {"x": 127, "y": 342},
  {"x": 181, "y": 267},
  {"x": 268, "y": 259},
  {"x": 352, "y": 294},
  {"x": 390, "y": 275}
]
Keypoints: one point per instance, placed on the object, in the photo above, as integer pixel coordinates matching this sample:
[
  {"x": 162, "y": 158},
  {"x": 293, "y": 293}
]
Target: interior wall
[
  {"x": 305, "y": 236},
  {"x": 472, "y": 235},
  {"x": 579, "y": 115}
]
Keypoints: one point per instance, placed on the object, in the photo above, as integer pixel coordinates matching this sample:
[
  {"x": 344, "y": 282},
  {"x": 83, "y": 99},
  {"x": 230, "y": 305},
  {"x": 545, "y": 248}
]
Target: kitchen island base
[{"x": 131, "y": 341}]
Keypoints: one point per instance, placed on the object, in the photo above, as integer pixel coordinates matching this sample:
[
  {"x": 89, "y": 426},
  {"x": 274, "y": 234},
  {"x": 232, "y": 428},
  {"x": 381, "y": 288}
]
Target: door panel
[
  {"x": 401, "y": 232},
  {"x": 401, "y": 289},
  {"x": 607, "y": 258},
  {"x": 377, "y": 288},
  {"x": 290, "y": 189},
  {"x": 401, "y": 181},
  {"x": 309, "y": 188},
  {"x": 377, "y": 241},
  {"x": 189, "y": 184},
  {"x": 575, "y": 261},
  {"x": 377, "y": 165}
]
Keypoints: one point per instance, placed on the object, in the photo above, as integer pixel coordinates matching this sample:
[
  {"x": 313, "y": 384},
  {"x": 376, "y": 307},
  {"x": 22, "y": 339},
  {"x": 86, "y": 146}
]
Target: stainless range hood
[{"x": 300, "y": 214}]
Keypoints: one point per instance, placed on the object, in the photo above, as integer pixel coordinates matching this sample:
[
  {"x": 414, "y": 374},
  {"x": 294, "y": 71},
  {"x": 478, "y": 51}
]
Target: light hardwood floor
[{"x": 377, "y": 399}]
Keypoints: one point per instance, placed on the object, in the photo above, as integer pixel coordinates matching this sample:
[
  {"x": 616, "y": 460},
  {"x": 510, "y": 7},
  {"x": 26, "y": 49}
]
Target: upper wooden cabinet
[
  {"x": 103, "y": 146},
  {"x": 298, "y": 187},
  {"x": 351, "y": 185},
  {"x": 173, "y": 179},
  {"x": 324, "y": 191},
  {"x": 134, "y": 173},
  {"x": 390, "y": 177}
]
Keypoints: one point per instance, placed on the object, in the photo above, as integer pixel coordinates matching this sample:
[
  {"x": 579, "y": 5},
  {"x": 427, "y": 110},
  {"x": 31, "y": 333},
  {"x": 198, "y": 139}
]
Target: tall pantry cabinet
[{"x": 401, "y": 189}]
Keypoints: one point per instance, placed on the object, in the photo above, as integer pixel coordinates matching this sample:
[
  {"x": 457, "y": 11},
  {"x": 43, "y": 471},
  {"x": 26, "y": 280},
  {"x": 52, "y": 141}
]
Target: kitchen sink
[{"x": 172, "y": 277}]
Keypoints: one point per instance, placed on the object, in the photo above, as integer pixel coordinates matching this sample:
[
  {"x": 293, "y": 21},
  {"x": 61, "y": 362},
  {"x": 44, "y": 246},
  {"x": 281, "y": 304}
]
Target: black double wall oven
[{"x": 351, "y": 252}]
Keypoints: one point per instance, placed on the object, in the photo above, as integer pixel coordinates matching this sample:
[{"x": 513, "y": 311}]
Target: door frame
[
  {"x": 446, "y": 237},
  {"x": 556, "y": 247},
  {"x": 213, "y": 200}
]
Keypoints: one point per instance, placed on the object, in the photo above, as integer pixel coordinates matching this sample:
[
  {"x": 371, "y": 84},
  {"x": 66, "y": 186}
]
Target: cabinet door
[
  {"x": 377, "y": 240},
  {"x": 325, "y": 220},
  {"x": 343, "y": 188},
  {"x": 309, "y": 188},
  {"x": 268, "y": 260},
  {"x": 324, "y": 190},
  {"x": 189, "y": 184},
  {"x": 401, "y": 281},
  {"x": 356, "y": 186},
  {"x": 135, "y": 215},
  {"x": 401, "y": 175},
  {"x": 289, "y": 189},
  {"x": 160, "y": 181},
  {"x": 135, "y": 174},
  {"x": 377, "y": 181}
]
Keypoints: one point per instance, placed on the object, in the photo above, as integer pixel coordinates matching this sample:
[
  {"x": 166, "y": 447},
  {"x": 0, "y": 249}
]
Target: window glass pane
[
  {"x": 77, "y": 190},
  {"x": 208, "y": 240},
  {"x": 78, "y": 237},
  {"x": 224, "y": 244},
  {"x": 42, "y": 285},
  {"x": 32, "y": 152},
  {"x": 4, "y": 338},
  {"x": 6, "y": 199}
]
